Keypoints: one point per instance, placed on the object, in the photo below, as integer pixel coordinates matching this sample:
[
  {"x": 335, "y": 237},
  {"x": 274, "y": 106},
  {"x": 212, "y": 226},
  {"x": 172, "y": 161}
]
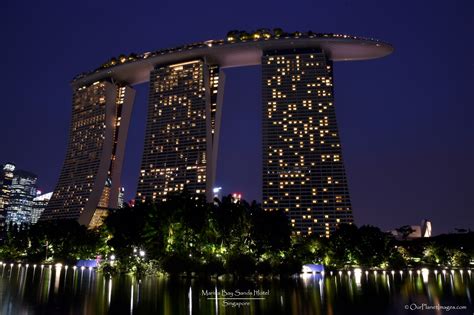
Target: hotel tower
[
  {"x": 182, "y": 130},
  {"x": 89, "y": 182},
  {"x": 303, "y": 170}
]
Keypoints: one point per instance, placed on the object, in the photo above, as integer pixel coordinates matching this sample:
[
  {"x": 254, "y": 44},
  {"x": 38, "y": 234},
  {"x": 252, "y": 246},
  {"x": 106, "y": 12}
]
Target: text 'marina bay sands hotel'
[{"x": 303, "y": 170}]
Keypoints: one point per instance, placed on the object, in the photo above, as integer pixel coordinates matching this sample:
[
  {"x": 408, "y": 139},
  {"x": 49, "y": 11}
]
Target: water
[{"x": 57, "y": 290}]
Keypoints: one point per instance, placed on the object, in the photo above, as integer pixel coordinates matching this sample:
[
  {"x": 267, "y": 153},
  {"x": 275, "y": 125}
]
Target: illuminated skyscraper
[
  {"x": 6, "y": 179},
  {"x": 182, "y": 131},
  {"x": 90, "y": 179},
  {"x": 39, "y": 204},
  {"x": 303, "y": 170},
  {"x": 121, "y": 197},
  {"x": 22, "y": 192},
  {"x": 17, "y": 190}
]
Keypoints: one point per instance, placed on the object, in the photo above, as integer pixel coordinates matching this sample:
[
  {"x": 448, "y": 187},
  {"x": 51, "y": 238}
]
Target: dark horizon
[{"x": 405, "y": 121}]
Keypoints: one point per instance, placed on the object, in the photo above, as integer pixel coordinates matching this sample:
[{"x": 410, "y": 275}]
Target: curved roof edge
[{"x": 135, "y": 69}]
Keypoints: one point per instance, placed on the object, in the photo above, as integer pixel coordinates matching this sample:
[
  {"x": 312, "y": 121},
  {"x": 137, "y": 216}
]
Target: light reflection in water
[
  {"x": 190, "y": 297},
  {"x": 358, "y": 276},
  {"x": 76, "y": 292},
  {"x": 216, "y": 300},
  {"x": 57, "y": 274},
  {"x": 425, "y": 273},
  {"x": 109, "y": 294},
  {"x": 131, "y": 299}
]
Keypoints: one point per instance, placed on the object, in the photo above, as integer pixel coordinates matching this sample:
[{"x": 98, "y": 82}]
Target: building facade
[
  {"x": 17, "y": 191},
  {"x": 89, "y": 182},
  {"x": 182, "y": 131},
  {"x": 6, "y": 179},
  {"x": 303, "y": 170},
  {"x": 39, "y": 204}
]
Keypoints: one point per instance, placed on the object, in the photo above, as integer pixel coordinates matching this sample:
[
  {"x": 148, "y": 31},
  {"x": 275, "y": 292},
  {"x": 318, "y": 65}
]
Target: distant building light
[
  {"x": 236, "y": 197},
  {"x": 9, "y": 167}
]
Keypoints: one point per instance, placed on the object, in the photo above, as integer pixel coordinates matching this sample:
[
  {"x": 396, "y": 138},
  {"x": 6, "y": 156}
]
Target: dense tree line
[
  {"x": 369, "y": 247},
  {"x": 45, "y": 241},
  {"x": 184, "y": 234}
]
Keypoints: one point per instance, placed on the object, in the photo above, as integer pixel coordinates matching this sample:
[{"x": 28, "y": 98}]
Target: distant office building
[
  {"x": 236, "y": 197},
  {"x": 18, "y": 189},
  {"x": 6, "y": 178},
  {"x": 217, "y": 193},
  {"x": 121, "y": 197},
  {"x": 303, "y": 170},
  {"x": 89, "y": 183},
  {"x": 39, "y": 204}
]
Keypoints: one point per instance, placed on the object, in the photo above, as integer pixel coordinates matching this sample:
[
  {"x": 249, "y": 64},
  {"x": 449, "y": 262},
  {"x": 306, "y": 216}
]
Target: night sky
[{"x": 406, "y": 121}]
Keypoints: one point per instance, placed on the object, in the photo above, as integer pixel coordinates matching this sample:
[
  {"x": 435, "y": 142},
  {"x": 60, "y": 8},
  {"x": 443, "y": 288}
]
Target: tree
[
  {"x": 277, "y": 32},
  {"x": 460, "y": 259},
  {"x": 64, "y": 240},
  {"x": 232, "y": 221},
  {"x": 126, "y": 226},
  {"x": 373, "y": 246},
  {"x": 342, "y": 246},
  {"x": 405, "y": 231},
  {"x": 270, "y": 231}
]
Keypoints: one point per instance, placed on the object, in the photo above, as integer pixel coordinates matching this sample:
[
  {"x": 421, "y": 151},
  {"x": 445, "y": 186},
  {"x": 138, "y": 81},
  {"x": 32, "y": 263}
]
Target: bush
[
  {"x": 460, "y": 259},
  {"x": 108, "y": 269}
]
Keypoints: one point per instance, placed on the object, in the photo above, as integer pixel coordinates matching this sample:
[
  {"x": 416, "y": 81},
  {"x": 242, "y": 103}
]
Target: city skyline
[{"x": 418, "y": 178}]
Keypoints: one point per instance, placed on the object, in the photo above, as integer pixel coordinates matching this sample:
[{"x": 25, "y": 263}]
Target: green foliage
[
  {"x": 59, "y": 241},
  {"x": 184, "y": 234},
  {"x": 435, "y": 255},
  {"x": 15, "y": 245},
  {"x": 278, "y": 32},
  {"x": 373, "y": 246},
  {"x": 459, "y": 259},
  {"x": 188, "y": 235},
  {"x": 342, "y": 245},
  {"x": 126, "y": 227},
  {"x": 398, "y": 258},
  {"x": 350, "y": 246},
  {"x": 405, "y": 231}
]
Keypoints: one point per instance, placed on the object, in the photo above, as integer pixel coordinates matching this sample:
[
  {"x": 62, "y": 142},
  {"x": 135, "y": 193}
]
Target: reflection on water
[{"x": 32, "y": 289}]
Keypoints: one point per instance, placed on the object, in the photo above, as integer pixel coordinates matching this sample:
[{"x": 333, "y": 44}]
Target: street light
[{"x": 142, "y": 253}]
